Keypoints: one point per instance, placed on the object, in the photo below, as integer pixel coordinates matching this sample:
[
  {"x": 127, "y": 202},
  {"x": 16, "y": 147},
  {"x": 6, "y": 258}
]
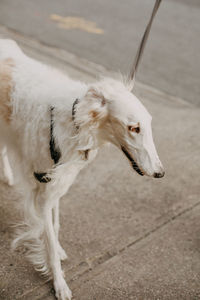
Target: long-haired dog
[{"x": 56, "y": 126}]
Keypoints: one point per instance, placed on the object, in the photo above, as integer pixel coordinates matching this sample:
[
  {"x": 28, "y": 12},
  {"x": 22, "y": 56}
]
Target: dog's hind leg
[{"x": 8, "y": 174}]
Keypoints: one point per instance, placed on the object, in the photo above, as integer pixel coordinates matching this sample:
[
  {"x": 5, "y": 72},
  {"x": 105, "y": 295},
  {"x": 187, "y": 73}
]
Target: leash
[{"x": 143, "y": 42}]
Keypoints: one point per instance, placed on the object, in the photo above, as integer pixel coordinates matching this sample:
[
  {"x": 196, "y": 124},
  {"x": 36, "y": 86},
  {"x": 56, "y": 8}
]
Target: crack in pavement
[{"x": 107, "y": 256}]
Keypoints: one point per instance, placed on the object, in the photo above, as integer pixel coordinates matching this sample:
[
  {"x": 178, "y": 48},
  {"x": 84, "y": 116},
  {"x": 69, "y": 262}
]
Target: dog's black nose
[{"x": 159, "y": 175}]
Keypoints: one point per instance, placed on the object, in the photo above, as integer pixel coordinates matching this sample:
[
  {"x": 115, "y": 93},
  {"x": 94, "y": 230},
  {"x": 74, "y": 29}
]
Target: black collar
[
  {"x": 74, "y": 111},
  {"x": 74, "y": 108},
  {"x": 86, "y": 152}
]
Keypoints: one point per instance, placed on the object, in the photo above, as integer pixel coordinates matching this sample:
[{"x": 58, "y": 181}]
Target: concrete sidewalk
[{"x": 126, "y": 237}]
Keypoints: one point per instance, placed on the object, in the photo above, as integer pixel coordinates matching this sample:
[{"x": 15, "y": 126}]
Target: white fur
[
  {"x": 6, "y": 167},
  {"x": 103, "y": 114}
]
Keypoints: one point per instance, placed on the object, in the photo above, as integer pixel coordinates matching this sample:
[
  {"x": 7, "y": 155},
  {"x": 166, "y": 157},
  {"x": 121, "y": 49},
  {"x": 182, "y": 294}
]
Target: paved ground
[
  {"x": 172, "y": 59},
  {"x": 127, "y": 237}
]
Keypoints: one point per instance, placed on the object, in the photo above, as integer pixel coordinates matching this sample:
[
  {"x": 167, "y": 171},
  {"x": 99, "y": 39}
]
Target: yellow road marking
[{"x": 76, "y": 23}]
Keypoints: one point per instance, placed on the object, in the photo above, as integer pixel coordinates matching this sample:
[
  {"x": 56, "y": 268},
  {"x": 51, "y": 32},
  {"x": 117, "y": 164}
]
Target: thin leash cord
[{"x": 143, "y": 42}]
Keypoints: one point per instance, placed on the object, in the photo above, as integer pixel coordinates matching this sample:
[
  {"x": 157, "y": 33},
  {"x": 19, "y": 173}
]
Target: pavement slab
[
  {"x": 165, "y": 265},
  {"x": 122, "y": 232}
]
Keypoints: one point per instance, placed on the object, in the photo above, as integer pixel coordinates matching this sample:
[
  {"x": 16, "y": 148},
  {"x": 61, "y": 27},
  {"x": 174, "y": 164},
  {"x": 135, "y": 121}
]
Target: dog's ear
[
  {"x": 97, "y": 105},
  {"x": 92, "y": 109}
]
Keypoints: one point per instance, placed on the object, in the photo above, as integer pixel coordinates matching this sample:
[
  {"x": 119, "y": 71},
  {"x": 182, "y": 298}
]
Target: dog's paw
[
  {"x": 62, "y": 253},
  {"x": 62, "y": 290},
  {"x": 9, "y": 180}
]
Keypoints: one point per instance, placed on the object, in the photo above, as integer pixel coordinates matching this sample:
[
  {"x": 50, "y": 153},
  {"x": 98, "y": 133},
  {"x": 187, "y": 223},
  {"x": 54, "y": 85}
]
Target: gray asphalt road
[{"x": 172, "y": 58}]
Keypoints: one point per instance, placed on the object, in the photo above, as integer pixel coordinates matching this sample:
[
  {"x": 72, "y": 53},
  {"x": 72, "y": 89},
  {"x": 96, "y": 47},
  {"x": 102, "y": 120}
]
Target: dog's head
[{"x": 115, "y": 115}]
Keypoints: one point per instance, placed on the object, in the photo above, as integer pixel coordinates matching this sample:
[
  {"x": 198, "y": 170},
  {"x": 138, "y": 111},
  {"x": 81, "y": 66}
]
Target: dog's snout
[{"x": 159, "y": 175}]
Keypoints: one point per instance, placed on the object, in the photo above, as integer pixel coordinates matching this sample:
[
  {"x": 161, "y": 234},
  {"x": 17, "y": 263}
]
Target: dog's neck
[
  {"x": 54, "y": 149},
  {"x": 75, "y": 134}
]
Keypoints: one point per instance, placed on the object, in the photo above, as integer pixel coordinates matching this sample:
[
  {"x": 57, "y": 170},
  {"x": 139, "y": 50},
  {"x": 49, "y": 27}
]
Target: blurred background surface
[{"x": 171, "y": 61}]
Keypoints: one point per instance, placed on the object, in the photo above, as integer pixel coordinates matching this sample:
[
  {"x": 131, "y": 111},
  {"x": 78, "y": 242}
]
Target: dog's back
[
  {"x": 28, "y": 89},
  {"x": 9, "y": 49}
]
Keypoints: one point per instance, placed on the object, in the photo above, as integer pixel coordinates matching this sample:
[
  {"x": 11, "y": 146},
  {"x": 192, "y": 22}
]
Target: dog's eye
[{"x": 134, "y": 129}]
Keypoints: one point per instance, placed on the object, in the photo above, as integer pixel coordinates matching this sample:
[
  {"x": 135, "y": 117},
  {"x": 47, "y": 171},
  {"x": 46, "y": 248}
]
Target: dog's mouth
[{"x": 133, "y": 163}]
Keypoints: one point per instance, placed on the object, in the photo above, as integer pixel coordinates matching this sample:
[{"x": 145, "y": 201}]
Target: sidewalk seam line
[
  {"x": 91, "y": 269},
  {"x": 147, "y": 234}
]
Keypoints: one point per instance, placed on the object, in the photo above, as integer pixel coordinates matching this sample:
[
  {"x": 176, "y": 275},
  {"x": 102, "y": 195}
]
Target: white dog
[{"x": 56, "y": 126}]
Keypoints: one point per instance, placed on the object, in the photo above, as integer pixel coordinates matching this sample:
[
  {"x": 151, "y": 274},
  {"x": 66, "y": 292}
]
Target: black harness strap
[
  {"x": 42, "y": 177},
  {"x": 54, "y": 151}
]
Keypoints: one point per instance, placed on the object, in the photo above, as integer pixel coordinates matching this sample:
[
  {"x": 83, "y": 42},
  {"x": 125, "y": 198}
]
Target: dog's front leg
[
  {"x": 62, "y": 178},
  {"x": 61, "y": 288},
  {"x": 56, "y": 218},
  {"x": 6, "y": 167}
]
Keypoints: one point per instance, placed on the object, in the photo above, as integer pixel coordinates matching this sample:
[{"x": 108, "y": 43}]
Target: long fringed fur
[{"x": 30, "y": 234}]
